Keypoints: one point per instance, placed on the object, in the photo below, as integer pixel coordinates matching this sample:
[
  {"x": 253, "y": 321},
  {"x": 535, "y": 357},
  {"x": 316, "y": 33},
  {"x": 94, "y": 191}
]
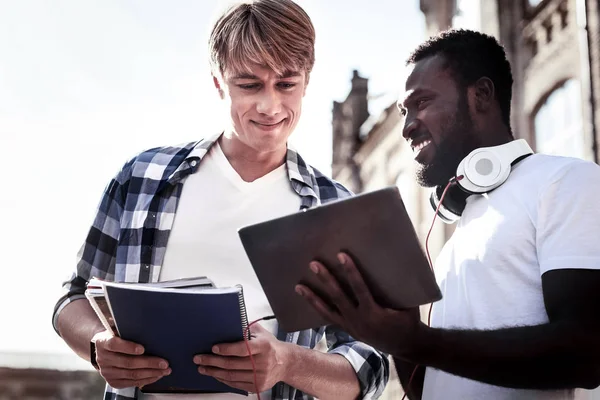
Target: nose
[
  {"x": 410, "y": 125},
  {"x": 269, "y": 102}
]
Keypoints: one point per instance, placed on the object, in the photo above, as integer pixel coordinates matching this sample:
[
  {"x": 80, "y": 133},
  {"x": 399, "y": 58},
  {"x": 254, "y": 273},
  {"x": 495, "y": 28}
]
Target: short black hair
[{"x": 472, "y": 55}]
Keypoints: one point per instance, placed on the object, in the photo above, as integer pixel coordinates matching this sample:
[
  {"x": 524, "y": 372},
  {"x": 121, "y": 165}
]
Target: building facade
[
  {"x": 553, "y": 46},
  {"x": 49, "y": 384},
  {"x": 48, "y": 376}
]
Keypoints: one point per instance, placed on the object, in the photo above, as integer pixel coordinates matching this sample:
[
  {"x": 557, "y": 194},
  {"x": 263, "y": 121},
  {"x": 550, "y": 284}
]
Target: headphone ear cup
[{"x": 454, "y": 203}]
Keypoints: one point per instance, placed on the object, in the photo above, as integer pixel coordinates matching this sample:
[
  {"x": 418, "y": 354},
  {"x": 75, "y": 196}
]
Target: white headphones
[{"x": 482, "y": 171}]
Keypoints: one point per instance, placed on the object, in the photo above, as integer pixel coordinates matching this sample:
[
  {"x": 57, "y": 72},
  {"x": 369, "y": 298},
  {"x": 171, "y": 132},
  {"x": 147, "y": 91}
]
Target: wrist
[
  {"x": 285, "y": 355},
  {"x": 421, "y": 345}
]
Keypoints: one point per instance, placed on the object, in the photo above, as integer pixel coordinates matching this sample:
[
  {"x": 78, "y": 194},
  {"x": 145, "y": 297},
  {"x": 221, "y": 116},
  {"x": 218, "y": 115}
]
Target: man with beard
[{"x": 520, "y": 314}]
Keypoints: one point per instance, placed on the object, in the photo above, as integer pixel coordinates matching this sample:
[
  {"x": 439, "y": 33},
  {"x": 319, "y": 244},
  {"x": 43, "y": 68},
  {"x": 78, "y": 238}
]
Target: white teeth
[{"x": 421, "y": 145}]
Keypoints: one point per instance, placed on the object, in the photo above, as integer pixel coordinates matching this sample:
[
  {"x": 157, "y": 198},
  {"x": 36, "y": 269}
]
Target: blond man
[{"x": 173, "y": 212}]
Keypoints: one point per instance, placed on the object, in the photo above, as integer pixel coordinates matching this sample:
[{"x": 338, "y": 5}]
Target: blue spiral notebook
[{"x": 177, "y": 324}]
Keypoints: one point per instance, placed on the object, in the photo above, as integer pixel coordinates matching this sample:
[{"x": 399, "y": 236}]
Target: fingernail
[
  {"x": 197, "y": 360},
  {"x": 215, "y": 349},
  {"x": 341, "y": 258},
  {"x": 168, "y": 371},
  {"x": 139, "y": 350},
  {"x": 163, "y": 364},
  {"x": 300, "y": 290},
  {"x": 202, "y": 370},
  {"x": 314, "y": 268}
]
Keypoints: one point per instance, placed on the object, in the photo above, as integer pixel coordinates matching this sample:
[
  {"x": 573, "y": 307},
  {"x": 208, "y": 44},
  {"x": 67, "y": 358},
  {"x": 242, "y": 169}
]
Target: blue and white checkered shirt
[{"x": 128, "y": 238}]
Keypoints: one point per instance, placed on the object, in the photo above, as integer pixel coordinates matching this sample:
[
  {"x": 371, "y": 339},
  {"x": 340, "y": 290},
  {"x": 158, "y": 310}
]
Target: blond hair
[{"x": 277, "y": 34}]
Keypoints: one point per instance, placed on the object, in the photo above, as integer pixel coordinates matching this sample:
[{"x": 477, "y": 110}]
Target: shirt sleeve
[
  {"x": 568, "y": 223},
  {"x": 371, "y": 366},
  {"x": 97, "y": 255}
]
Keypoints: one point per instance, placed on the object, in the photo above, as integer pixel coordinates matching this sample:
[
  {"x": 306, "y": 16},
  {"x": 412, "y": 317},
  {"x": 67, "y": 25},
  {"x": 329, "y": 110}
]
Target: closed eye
[
  {"x": 249, "y": 86},
  {"x": 286, "y": 85}
]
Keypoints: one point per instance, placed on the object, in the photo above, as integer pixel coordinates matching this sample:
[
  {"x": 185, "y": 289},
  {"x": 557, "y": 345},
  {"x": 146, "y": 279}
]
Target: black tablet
[{"x": 374, "y": 228}]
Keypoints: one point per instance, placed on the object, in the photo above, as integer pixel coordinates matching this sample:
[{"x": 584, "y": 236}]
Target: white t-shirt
[
  {"x": 544, "y": 217},
  {"x": 214, "y": 203}
]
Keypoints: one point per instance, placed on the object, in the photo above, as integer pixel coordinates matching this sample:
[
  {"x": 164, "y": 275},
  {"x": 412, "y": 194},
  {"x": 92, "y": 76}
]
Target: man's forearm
[
  {"x": 77, "y": 324},
  {"x": 326, "y": 376},
  {"x": 550, "y": 356}
]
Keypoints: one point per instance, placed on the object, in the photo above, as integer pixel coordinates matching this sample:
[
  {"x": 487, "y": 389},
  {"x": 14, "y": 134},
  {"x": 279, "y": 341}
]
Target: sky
[{"x": 86, "y": 84}]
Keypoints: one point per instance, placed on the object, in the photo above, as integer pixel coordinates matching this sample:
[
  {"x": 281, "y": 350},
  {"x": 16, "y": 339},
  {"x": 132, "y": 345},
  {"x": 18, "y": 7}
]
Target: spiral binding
[{"x": 243, "y": 314}]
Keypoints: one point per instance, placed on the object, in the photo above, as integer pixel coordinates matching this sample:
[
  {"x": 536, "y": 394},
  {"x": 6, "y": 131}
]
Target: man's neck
[
  {"x": 496, "y": 136},
  {"x": 249, "y": 163}
]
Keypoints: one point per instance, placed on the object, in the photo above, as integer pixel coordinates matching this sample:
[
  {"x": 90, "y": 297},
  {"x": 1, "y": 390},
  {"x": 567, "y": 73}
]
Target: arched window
[{"x": 559, "y": 122}]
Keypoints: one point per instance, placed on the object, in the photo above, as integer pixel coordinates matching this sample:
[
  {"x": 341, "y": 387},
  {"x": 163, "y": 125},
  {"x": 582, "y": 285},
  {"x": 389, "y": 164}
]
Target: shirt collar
[{"x": 301, "y": 175}]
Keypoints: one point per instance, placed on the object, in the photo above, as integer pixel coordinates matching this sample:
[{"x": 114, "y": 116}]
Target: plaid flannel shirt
[{"x": 127, "y": 242}]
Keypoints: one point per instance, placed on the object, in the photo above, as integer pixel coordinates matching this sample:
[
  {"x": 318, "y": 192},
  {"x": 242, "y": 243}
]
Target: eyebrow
[
  {"x": 286, "y": 74},
  {"x": 289, "y": 74}
]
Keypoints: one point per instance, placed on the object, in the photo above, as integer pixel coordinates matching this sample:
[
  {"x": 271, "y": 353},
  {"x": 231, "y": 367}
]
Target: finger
[
  {"x": 227, "y": 374},
  {"x": 108, "y": 359},
  {"x": 121, "y": 384},
  {"x": 248, "y": 387},
  {"x": 318, "y": 304},
  {"x": 120, "y": 374},
  {"x": 356, "y": 281},
  {"x": 118, "y": 345},
  {"x": 257, "y": 329},
  {"x": 239, "y": 349},
  {"x": 333, "y": 288},
  {"x": 230, "y": 363}
]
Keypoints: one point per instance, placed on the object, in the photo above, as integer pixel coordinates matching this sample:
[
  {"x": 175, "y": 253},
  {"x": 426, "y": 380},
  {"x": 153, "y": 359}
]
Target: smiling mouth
[
  {"x": 268, "y": 125},
  {"x": 421, "y": 145}
]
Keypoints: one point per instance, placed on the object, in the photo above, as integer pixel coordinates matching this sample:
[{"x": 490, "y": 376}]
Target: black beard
[
  {"x": 443, "y": 167},
  {"x": 455, "y": 146}
]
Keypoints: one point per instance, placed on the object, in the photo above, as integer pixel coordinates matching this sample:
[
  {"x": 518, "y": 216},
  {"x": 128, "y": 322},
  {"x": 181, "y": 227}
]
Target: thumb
[{"x": 257, "y": 328}]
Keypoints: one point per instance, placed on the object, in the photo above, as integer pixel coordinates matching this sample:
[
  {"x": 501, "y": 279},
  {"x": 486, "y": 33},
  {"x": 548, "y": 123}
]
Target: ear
[
  {"x": 218, "y": 86},
  {"x": 484, "y": 94}
]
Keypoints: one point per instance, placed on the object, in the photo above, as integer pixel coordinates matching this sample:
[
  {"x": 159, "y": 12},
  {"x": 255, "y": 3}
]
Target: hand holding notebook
[
  {"x": 268, "y": 354},
  {"x": 123, "y": 363},
  {"x": 175, "y": 325}
]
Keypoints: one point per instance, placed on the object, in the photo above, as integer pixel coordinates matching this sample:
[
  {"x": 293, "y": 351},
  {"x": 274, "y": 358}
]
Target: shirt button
[{"x": 193, "y": 163}]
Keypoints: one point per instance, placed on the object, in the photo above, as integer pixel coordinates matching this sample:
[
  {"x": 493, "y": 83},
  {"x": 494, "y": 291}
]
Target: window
[{"x": 559, "y": 122}]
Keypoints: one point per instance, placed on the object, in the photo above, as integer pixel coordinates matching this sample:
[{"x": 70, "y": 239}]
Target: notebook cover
[{"x": 176, "y": 325}]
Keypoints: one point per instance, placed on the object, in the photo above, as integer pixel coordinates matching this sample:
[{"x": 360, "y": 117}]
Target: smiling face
[
  {"x": 264, "y": 107},
  {"x": 437, "y": 121}
]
